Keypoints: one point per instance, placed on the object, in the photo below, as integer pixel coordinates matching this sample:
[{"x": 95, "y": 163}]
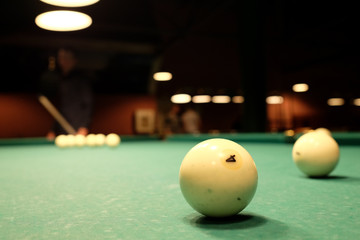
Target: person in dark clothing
[
  {"x": 172, "y": 121},
  {"x": 74, "y": 94}
]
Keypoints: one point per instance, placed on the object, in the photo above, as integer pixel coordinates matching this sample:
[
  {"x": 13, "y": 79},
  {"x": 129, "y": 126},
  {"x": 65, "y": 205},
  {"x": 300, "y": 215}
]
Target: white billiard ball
[
  {"x": 324, "y": 130},
  {"x": 316, "y": 154},
  {"x": 91, "y": 140},
  {"x": 60, "y": 141},
  {"x": 70, "y": 139},
  {"x": 112, "y": 139},
  {"x": 99, "y": 139},
  {"x": 80, "y": 140},
  {"x": 289, "y": 133},
  {"x": 218, "y": 177}
]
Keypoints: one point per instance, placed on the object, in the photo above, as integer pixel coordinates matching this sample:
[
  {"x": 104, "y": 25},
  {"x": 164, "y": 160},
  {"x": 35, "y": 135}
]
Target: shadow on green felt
[
  {"x": 344, "y": 179},
  {"x": 244, "y": 224},
  {"x": 330, "y": 177},
  {"x": 238, "y": 221}
]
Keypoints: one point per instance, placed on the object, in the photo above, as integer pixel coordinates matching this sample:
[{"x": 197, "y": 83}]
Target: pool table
[{"x": 132, "y": 192}]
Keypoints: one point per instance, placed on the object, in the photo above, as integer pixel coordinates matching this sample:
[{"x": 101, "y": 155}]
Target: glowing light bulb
[
  {"x": 335, "y": 101},
  {"x": 221, "y": 99},
  {"x": 300, "y": 87},
  {"x": 201, "y": 99},
  {"x": 181, "y": 98},
  {"x": 274, "y": 100},
  {"x": 162, "y": 76}
]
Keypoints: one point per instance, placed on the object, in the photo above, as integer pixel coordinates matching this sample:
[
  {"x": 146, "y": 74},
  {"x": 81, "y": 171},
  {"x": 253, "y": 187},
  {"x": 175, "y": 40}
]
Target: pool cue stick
[{"x": 56, "y": 114}]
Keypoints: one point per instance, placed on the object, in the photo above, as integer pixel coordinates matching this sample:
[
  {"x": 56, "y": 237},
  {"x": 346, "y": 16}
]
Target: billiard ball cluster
[
  {"x": 316, "y": 153},
  {"x": 90, "y": 140},
  {"x": 218, "y": 177}
]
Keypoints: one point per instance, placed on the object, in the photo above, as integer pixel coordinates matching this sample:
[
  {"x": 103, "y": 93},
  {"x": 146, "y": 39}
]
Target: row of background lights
[
  {"x": 65, "y": 20},
  {"x": 186, "y": 98},
  {"x": 303, "y": 87},
  {"x": 221, "y": 99}
]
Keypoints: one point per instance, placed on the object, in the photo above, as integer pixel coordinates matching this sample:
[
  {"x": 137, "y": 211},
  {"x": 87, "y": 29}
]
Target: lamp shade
[
  {"x": 70, "y": 3},
  {"x": 63, "y": 20}
]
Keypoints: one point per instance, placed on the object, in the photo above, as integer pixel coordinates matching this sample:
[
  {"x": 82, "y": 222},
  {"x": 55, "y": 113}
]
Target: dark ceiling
[{"x": 201, "y": 42}]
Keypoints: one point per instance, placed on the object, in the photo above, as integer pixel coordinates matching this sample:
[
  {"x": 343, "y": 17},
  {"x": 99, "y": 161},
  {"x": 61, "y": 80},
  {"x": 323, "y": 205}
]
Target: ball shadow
[
  {"x": 246, "y": 225},
  {"x": 344, "y": 179},
  {"x": 239, "y": 221},
  {"x": 331, "y": 177}
]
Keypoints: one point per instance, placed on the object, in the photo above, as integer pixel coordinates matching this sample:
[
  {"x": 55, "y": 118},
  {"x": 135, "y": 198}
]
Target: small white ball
[
  {"x": 61, "y": 141},
  {"x": 324, "y": 130},
  {"x": 100, "y": 139},
  {"x": 112, "y": 140},
  {"x": 91, "y": 140},
  {"x": 70, "y": 140},
  {"x": 218, "y": 178},
  {"x": 80, "y": 140},
  {"x": 316, "y": 154}
]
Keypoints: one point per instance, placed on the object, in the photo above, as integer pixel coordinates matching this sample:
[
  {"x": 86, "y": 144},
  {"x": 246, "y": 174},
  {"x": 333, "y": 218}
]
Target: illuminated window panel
[
  {"x": 221, "y": 99},
  {"x": 238, "y": 99},
  {"x": 162, "y": 76},
  {"x": 335, "y": 101},
  {"x": 181, "y": 98},
  {"x": 300, "y": 87},
  {"x": 201, "y": 99},
  {"x": 70, "y": 3},
  {"x": 63, "y": 21},
  {"x": 274, "y": 100}
]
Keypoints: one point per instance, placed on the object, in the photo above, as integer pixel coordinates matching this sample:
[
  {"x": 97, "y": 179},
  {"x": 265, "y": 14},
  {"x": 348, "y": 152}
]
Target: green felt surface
[{"x": 132, "y": 192}]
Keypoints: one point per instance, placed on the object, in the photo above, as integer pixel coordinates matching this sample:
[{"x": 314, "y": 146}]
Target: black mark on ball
[
  {"x": 297, "y": 153},
  {"x": 231, "y": 158},
  {"x": 239, "y": 199}
]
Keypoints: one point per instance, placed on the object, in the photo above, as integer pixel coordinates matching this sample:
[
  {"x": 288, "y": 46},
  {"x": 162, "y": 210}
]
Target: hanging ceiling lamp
[
  {"x": 181, "y": 98},
  {"x": 63, "y": 20},
  {"x": 275, "y": 99},
  {"x": 162, "y": 76},
  {"x": 70, "y": 3}
]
